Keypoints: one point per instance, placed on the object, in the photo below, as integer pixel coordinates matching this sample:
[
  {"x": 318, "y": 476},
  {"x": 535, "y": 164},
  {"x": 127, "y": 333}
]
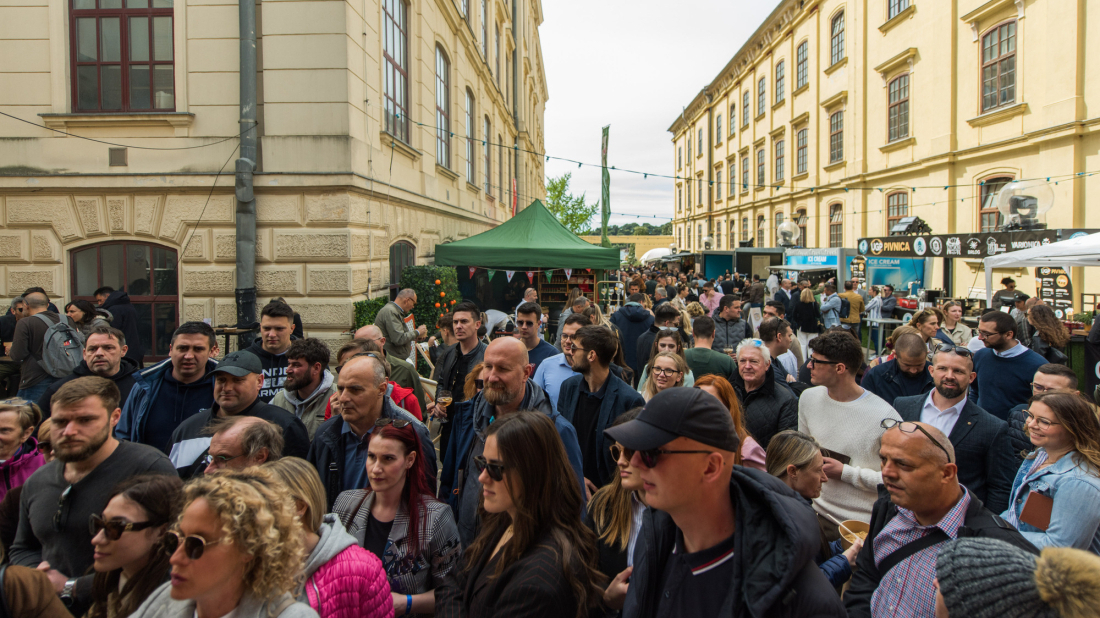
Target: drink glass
[{"x": 443, "y": 398}]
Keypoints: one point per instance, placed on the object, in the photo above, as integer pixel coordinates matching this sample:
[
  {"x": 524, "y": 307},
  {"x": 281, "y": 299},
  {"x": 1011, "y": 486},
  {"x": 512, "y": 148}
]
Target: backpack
[
  {"x": 845, "y": 308},
  {"x": 62, "y": 348}
]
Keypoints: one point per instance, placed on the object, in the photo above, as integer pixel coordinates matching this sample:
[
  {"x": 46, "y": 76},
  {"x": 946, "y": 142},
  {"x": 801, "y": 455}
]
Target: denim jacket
[
  {"x": 830, "y": 310},
  {"x": 1075, "y": 518}
]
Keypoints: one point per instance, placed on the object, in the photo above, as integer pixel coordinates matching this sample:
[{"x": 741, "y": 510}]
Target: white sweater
[{"x": 852, "y": 429}]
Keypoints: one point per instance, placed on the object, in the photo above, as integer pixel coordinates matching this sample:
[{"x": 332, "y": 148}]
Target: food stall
[{"x": 745, "y": 260}]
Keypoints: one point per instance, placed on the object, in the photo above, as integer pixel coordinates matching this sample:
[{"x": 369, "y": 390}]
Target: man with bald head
[
  {"x": 530, "y": 295},
  {"x": 921, "y": 506},
  {"x": 401, "y": 370},
  {"x": 906, "y": 375},
  {"x": 508, "y": 388},
  {"x": 339, "y": 449},
  {"x": 391, "y": 320},
  {"x": 238, "y": 442}
]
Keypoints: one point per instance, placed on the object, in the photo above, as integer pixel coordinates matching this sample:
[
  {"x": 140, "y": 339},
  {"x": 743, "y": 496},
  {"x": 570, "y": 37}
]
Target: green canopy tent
[{"x": 533, "y": 239}]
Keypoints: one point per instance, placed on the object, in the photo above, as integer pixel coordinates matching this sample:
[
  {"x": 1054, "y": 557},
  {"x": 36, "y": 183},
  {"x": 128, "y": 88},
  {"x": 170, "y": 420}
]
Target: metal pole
[{"x": 246, "y": 165}]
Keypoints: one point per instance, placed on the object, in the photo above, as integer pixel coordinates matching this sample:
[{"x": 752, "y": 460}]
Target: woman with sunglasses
[
  {"x": 533, "y": 557},
  {"x": 131, "y": 559},
  {"x": 342, "y": 580},
  {"x": 795, "y": 458},
  {"x": 668, "y": 370},
  {"x": 19, "y": 456},
  {"x": 1061, "y": 476},
  {"x": 666, "y": 341},
  {"x": 232, "y": 552},
  {"x": 750, "y": 454},
  {"x": 398, "y": 519}
]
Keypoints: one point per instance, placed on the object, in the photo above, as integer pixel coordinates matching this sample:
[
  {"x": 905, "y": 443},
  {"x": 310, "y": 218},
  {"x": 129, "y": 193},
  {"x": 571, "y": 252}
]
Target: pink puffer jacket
[{"x": 349, "y": 584}]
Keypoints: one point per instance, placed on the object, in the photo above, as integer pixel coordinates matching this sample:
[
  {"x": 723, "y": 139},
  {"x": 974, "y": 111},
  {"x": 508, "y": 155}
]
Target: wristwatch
[{"x": 67, "y": 592}]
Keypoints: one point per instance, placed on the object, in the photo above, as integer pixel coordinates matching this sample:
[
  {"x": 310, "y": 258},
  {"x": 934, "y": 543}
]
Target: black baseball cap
[
  {"x": 679, "y": 412},
  {"x": 240, "y": 364}
]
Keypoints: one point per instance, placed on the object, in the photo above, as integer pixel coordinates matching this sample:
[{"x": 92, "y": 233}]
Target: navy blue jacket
[
  {"x": 983, "y": 451},
  {"x": 889, "y": 382},
  {"x": 632, "y": 320},
  {"x": 618, "y": 398}
]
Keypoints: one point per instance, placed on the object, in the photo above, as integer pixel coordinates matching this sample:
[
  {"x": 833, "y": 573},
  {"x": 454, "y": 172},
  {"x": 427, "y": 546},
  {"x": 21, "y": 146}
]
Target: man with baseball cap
[
  {"x": 721, "y": 540},
  {"x": 238, "y": 379}
]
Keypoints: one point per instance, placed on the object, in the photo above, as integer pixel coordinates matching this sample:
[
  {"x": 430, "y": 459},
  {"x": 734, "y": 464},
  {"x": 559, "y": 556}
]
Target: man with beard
[
  {"x": 554, "y": 371},
  {"x": 308, "y": 383},
  {"x": 104, "y": 356},
  {"x": 986, "y": 461},
  {"x": 507, "y": 389},
  {"x": 60, "y": 497},
  {"x": 593, "y": 399},
  {"x": 452, "y": 367}
]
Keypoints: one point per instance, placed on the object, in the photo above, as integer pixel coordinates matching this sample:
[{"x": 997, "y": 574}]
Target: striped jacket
[{"x": 439, "y": 545}]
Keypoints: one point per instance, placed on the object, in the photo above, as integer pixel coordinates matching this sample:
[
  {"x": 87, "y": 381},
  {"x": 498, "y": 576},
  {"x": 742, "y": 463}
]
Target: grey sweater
[{"x": 160, "y": 604}]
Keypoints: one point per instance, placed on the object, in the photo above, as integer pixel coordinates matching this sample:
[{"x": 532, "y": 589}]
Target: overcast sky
[{"x": 634, "y": 65}]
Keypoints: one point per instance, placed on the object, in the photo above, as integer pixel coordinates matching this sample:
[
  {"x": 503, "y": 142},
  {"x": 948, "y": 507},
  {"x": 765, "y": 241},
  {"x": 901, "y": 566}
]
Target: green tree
[
  {"x": 666, "y": 229},
  {"x": 641, "y": 231},
  {"x": 573, "y": 212}
]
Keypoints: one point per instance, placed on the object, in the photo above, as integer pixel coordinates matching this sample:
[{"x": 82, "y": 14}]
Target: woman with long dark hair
[
  {"x": 399, "y": 520},
  {"x": 84, "y": 315},
  {"x": 615, "y": 507},
  {"x": 806, "y": 318},
  {"x": 1051, "y": 335},
  {"x": 750, "y": 453},
  {"x": 533, "y": 558},
  {"x": 131, "y": 559}
]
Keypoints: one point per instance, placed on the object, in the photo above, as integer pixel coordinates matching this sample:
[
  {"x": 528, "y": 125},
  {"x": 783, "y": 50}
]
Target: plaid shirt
[{"x": 907, "y": 591}]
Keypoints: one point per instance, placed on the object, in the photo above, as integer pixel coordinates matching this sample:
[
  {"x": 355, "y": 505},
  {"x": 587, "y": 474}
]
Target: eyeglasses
[
  {"x": 982, "y": 334},
  {"x": 907, "y": 427},
  {"x": 565, "y": 337},
  {"x": 618, "y": 450},
  {"x": 114, "y": 529},
  {"x": 1041, "y": 422},
  {"x": 398, "y": 423},
  {"x": 1039, "y": 388},
  {"x": 193, "y": 545},
  {"x": 57, "y": 518},
  {"x": 496, "y": 470},
  {"x": 815, "y": 361},
  {"x": 577, "y": 347},
  {"x": 220, "y": 461},
  {"x": 660, "y": 371},
  {"x": 957, "y": 349},
  {"x": 649, "y": 458}
]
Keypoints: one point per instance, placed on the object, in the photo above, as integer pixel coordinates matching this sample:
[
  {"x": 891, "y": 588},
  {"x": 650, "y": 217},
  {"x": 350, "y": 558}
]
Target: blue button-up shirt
[
  {"x": 550, "y": 375},
  {"x": 355, "y": 459}
]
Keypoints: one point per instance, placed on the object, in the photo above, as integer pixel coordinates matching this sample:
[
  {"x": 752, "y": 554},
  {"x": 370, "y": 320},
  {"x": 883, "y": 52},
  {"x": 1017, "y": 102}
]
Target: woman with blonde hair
[
  {"x": 232, "y": 552},
  {"x": 667, "y": 370},
  {"x": 342, "y": 580},
  {"x": 927, "y": 322},
  {"x": 696, "y": 309},
  {"x": 750, "y": 454},
  {"x": 1051, "y": 335},
  {"x": 19, "y": 454},
  {"x": 614, "y": 510}
]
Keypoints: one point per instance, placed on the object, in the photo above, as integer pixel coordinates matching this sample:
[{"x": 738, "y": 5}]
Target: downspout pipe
[
  {"x": 520, "y": 185},
  {"x": 245, "y": 166}
]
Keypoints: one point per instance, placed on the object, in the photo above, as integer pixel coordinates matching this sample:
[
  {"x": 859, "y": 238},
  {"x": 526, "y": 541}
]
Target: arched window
[
  {"x": 471, "y": 135},
  {"x": 761, "y": 223},
  {"x": 396, "y": 68},
  {"x": 899, "y": 108},
  {"x": 488, "y": 158},
  {"x": 780, "y": 81},
  {"x": 897, "y": 206},
  {"x": 761, "y": 95},
  {"x": 991, "y": 219},
  {"x": 442, "y": 108},
  {"x": 402, "y": 255},
  {"x": 999, "y": 66},
  {"x": 800, "y": 219},
  {"x": 147, "y": 273},
  {"x": 836, "y": 40},
  {"x": 802, "y": 65},
  {"x": 836, "y": 226}
]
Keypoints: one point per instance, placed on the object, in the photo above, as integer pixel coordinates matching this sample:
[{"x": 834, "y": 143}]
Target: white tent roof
[
  {"x": 654, "y": 254},
  {"x": 1080, "y": 251}
]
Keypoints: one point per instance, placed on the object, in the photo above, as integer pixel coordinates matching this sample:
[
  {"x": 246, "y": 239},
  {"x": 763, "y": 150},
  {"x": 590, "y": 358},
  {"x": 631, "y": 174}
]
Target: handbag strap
[{"x": 907, "y": 550}]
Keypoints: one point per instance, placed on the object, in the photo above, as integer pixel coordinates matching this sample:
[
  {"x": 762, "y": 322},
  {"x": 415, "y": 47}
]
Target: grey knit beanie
[{"x": 988, "y": 578}]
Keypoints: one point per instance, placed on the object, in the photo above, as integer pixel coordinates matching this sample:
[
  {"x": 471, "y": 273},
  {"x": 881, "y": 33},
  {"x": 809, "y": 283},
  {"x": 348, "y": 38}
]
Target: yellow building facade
[
  {"x": 385, "y": 127},
  {"x": 845, "y": 116}
]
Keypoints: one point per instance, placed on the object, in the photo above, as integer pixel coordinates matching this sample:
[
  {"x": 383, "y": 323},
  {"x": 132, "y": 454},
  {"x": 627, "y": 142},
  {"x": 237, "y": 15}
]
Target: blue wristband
[{"x": 408, "y": 604}]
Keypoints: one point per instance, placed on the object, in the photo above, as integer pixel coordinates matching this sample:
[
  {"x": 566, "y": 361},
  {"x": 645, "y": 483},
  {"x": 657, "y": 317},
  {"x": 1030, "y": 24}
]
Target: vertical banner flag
[
  {"x": 531, "y": 276},
  {"x": 605, "y": 194},
  {"x": 510, "y": 274},
  {"x": 549, "y": 275},
  {"x": 473, "y": 269},
  {"x": 568, "y": 273},
  {"x": 491, "y": 272},
  {"x": 515, "y": 196}
]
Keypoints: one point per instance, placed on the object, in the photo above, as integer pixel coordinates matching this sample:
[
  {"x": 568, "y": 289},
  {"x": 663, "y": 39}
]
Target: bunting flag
[
  {"x": 568, "y": 273},
  {"x": 491, "y": 273},
  {"x": 531, "y": 276},
  {"x": 473, "y": 269},
  {"x": 549, "y": 274},
  {"x": 510, "y": 274}
]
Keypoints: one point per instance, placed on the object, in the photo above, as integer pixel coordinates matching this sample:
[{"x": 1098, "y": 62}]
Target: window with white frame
[
  {"x": 999, "y": 67},
  {"x": 780, "y": 81},
  {"x": 760, "y": 168},
  {"x": 761, "y": 95},
  {"x": 718, "y": 184},
  {"x": 801, "y": 145},
  {"x": 836, "y": 40},
  {"x": 836, "y": 137},
  {"x": 899, "y": 108},
  {"x": 396, "y": 68},
  {"x": 442, "y": 108},
  {"x": 780, "y": 160},
  {"x": 471, "y": 131},
  {"x": 744, "y": 173},
  {"x": 802, "y": 68},
  {"x": 745, "y": 109}
]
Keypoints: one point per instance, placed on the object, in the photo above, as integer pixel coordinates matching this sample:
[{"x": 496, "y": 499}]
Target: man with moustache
[
  {"x": 558, "y": 368},
  {"x": 57, "y": 501},
  {"x": 507, "y": 389},
  {"x": 452, "y": 367},
  {"x": 104, "y": 356}
]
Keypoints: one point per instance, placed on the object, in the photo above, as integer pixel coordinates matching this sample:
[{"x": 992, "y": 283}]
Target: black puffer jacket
[
  {"x": 767, "y": 410},
  {"x": 1017, "y": 436},
  {"x": 125, "y": 318},
  {"x": 775, "y": 542}
]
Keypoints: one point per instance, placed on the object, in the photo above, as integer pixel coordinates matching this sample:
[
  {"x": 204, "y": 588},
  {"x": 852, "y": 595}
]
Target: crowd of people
[{"x": 709, "y": 448}]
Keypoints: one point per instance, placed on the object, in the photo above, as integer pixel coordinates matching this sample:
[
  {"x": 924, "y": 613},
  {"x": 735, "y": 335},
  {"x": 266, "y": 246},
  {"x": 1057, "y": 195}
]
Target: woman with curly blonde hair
[
  {"x": 696, "y": 309},
  {"x": 234, "y": 551}
]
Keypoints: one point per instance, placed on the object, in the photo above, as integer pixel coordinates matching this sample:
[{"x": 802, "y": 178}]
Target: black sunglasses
[
  {"x": 496, "y": 470},
  {"x": 114, "y": 529},
  {"x": 649, "y": 458},
  {"x": 957, "y": 349},
  {"x": 193, "y": 546},
  {"x": 396, "y": 422},
  {"x": 817, "y": 361},
  {"x": 908, "y": 427},
  {"x": 57, "y": 518}
]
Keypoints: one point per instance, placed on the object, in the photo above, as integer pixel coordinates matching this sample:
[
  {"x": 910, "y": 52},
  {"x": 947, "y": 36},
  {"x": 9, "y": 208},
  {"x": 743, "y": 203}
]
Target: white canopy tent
[
  {"x": 654, "y": 254},
  {"x": 1080, "y": 251}
]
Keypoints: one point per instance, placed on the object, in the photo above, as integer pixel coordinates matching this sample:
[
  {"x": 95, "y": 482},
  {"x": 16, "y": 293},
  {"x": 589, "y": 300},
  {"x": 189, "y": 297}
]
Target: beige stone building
[
  {"x": 385, "y": 127},
  {"x": 834, "y": 110}
]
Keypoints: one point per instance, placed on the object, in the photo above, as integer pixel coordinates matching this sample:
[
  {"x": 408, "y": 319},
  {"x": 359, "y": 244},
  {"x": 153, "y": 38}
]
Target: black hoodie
[
  {"x": 125, "y": 318},
  {"x": 274, "y": 370},
  {"x": 124, "y": 380}
]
